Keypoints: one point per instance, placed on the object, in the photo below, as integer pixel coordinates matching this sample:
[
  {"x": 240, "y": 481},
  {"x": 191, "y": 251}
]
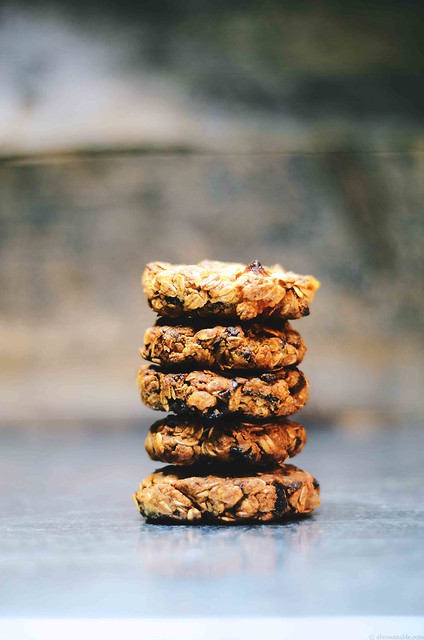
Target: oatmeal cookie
[
  {"x": 187, "y": 494},
  {"x": 181, "y": 441},
  {"x": 227, "y": 289},
  {"x": 212, "y": 395},
  {"x": 250, "y": 346}
]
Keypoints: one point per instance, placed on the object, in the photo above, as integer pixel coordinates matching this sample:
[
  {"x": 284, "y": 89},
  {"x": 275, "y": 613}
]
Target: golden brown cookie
[
  {"x": 223, "y": 347},
  {"x": 180, "y": 441},
  {"x": 227, "y": 289},
  {"x": 213, "y": 395},
  {"x": 187, "y": 494}
]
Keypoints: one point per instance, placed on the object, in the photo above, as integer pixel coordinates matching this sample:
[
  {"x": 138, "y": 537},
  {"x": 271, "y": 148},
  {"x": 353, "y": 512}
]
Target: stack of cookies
[{"x": 224, "y": 362}]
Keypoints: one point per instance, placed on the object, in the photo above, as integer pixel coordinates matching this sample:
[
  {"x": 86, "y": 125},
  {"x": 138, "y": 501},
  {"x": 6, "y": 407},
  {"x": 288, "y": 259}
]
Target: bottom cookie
[{"x": 185, "y": 494}]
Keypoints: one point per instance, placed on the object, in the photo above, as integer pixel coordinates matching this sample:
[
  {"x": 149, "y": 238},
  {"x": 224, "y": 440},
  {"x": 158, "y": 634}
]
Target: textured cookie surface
[
  {"x": 181, "y": 441},
  {"x": 227, "y": 289},
  {"x": 250, "y": 346},
  {"x": 212, "y": 395},
  {"x": 186, "y": 494}
]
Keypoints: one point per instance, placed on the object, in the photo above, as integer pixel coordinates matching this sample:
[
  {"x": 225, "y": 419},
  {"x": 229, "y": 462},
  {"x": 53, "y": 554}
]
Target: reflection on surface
[{"x": 193, "y": 551}]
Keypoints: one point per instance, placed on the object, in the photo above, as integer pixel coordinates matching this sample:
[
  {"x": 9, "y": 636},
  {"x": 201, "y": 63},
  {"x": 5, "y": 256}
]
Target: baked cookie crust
[
  {"x": 180, "y": 441},
  {"x": 186, "y": 494},
  {"x": 213, "y": 288},
  {"x": 251, "y": 346},
  {"x": 213, "y": 395}
]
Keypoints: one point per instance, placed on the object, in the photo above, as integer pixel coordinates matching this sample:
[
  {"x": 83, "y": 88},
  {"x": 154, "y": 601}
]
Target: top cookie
[{"x": 227, "y": 289}]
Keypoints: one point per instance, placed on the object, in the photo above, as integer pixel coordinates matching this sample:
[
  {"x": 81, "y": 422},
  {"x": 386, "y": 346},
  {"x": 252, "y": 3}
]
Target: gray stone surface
[{"x": 72, "y": 543}]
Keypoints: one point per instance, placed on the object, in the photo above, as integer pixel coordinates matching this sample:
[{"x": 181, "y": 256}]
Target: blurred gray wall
[{"x": 288, "y": 132}]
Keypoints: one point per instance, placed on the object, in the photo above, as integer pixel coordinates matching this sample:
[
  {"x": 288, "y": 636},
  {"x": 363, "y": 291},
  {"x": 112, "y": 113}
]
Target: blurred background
[{"x": 288, "y": 132}]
